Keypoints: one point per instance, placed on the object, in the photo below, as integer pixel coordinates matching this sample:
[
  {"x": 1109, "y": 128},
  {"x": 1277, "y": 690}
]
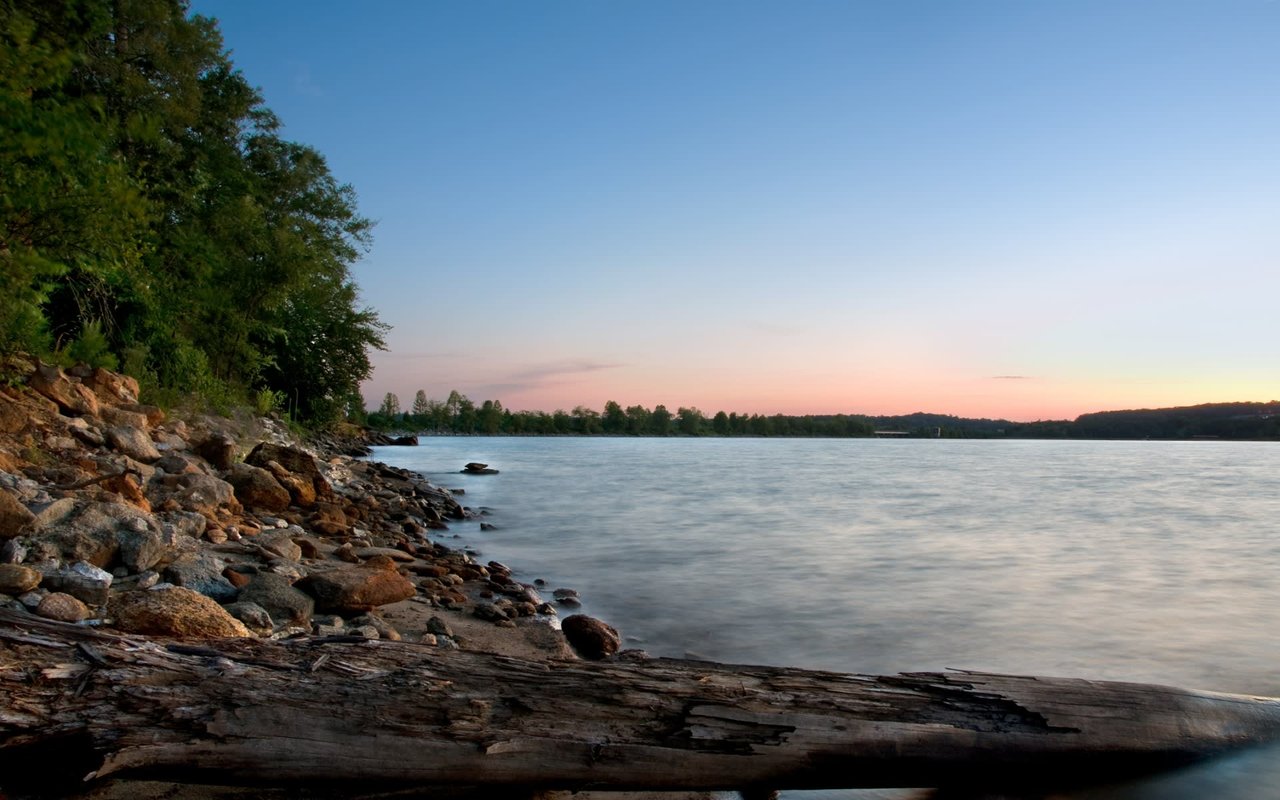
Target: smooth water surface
[{"x": 1145, "y": 561}]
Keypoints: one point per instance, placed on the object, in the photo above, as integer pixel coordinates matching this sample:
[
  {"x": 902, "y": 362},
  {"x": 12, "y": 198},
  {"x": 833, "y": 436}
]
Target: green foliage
[
  {"x": 91, "y": 347},
  {"x": 267, "y": 401},
  {"x": 146, "y": 188}
]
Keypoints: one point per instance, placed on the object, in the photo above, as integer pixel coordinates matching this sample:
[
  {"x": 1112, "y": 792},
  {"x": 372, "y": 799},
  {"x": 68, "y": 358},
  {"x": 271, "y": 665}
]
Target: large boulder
[
  {"x": 174, "y": 611},
  {"x": 358, "y": 588},
  {"x": 256, "y": 488},
  {"x": 294, "y": 460},
  {"x": 282, "y": 601},
  {"x": 195, "y": 491},
  {"x": 590, "y": 637},
  {"x": 15, "y": 518},
  {"x": 75, "y": 531}
]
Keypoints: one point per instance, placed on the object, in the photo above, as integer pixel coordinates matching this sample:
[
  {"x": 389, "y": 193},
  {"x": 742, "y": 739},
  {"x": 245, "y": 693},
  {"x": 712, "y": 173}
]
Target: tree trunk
[{"x": 360, "y": 716}]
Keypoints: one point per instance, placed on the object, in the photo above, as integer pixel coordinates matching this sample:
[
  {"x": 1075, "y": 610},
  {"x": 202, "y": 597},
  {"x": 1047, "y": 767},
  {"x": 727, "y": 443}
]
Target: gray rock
[
  {"x": 133, "y": 442},
  {"x": 201, "y": 572},
  {"x": 81, "y": 580},
  {"x": 32, "y": 599},
  {"x": 383, "y": 629},
  {"x": 277, "y": 595},
  {"x": 439, "y": 626},
  {"x": 142, "y": 550},
  {"x": 255, "y": 617},
  {"x": 13, "y": 552},
  {"x": 280, "y": 543},
  {"x": 218, "y": 449},
  {"x": 184, "y": 523},
  {"x": 88, "y": 531}
]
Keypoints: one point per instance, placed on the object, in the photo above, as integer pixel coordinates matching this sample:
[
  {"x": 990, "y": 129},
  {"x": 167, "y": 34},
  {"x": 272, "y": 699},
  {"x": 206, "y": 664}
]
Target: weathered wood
[{"x": 396, "y": 715}]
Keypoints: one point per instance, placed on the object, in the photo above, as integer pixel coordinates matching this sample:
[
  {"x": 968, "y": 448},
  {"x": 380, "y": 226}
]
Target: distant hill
[{"x": 1239, "y": 421}]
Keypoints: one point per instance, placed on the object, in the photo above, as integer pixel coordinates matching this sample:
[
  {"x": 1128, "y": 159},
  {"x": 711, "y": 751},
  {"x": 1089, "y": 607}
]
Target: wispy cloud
[
  {"x": 1012, "y": 378},
  {"x": 541, "y": 374}
]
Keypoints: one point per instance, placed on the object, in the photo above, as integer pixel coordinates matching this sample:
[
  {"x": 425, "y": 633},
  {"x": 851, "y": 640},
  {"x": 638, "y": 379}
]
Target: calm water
[{"x": 1146, "y": 561}]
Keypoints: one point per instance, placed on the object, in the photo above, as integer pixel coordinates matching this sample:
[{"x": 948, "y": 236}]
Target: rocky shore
[{"x": 116, "y": 514}]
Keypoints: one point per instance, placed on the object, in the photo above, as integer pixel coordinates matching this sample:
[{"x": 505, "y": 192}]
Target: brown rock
[
  {"x": 176, "y": 611},
  {"x": 127, "y": 487},
  {"x": 112, "y": 387},
  {"x": 15, "y": 518},
  {"x": 121, "y": 417},
  {"x": 16, "y": 579},
  {"x": 218, "y": 449},
  {"x": 256, "y": 488},
  {"x": 71, "y": 396},
  {"x": 591, "y": 638},
  {"x": 63, "y": 608},
  {"x": 296, "y": 461},
  {"x": 155, "y": 415},
  {"x": 357, "y": 588},
  {"x": 301, "y": 492}
]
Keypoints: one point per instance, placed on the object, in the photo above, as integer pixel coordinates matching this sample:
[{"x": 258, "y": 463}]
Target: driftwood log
[{"x": 343, "y": 714}]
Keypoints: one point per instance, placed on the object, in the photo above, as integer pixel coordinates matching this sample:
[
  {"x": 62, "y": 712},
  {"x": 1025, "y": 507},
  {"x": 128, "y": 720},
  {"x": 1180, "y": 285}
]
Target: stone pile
[{"x": 114, "y": 513}]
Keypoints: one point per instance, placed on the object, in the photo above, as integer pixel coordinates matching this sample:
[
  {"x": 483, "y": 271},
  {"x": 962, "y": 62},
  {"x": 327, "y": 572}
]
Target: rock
[
  {"x": 285, "y": 604},
  {"x": 438, "y": 626},
  {"x": 120, "y": 417},
  {"x": 85, "y": 432},
  {"x": 485, "y": 526},
  {"x": 254, "y": 616},
  {"x": 63, "y": 608},
  {"x": 301, "y": 492},
  {"x": 357, "y": 588},
  {"x": 31, "y": 600},
  {"x": 591, "y": 638},
  {"x": 296, "y": 462},
  {"x": 388, "y": 552},
  {"x": 201, "y": 573},
  {"x": 133, "y": 442},
  {"x": 112, "y": 387},
  {"x": 127, "y": 487},
  {"x": 203, "y": 494},
  {"x": 142, "y": 550},
  {"x": 178, "y": 464},
  {"x": 404, "y": 441},
  {"x": 257, "y": 488},
  {"x": 280, "y": 543},
  {"x": 218, "y": 449},
  {"x": 382, "y": 629},
  {"x": 15, "y": 518},
  {"x": 187, "y": 524},
  {"x": 13, "y": 551},
  {"x": 16, "y": 579},
  {"x": 476, "y": 468},
  {"x": 82, "y": 580},
  {"x": 77, "y": 531},
  {"x": 72, "y": 397},
  {"x": 174, "y": 611},
  {"x": 489, "y": 612}
]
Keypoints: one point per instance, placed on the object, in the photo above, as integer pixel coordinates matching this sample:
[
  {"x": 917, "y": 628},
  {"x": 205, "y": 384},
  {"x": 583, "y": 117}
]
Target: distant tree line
[
  {"x": 459, "y": 415},
  {"x": 154, "y": 219}
]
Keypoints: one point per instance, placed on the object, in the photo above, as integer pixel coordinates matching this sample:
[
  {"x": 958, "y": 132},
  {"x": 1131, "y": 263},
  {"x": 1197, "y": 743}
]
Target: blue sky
[{"x": 1017, "y": 209}]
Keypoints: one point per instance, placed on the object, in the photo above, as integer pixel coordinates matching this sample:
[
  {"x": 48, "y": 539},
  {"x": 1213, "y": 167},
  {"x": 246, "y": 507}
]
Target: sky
[{"x": 1020, "y": 209}]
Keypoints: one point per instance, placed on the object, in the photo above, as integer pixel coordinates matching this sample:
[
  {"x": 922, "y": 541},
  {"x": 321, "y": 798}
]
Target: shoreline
[{"x": 118, "y": 516}]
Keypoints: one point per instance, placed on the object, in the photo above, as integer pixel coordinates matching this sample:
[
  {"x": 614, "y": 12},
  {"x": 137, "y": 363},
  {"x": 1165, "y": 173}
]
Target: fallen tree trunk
[{"x": 386, "y": 715}]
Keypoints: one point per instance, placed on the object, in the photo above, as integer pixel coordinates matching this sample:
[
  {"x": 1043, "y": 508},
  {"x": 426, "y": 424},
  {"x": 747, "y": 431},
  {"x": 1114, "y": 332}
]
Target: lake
[{"x": 1145, "y": 561}]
